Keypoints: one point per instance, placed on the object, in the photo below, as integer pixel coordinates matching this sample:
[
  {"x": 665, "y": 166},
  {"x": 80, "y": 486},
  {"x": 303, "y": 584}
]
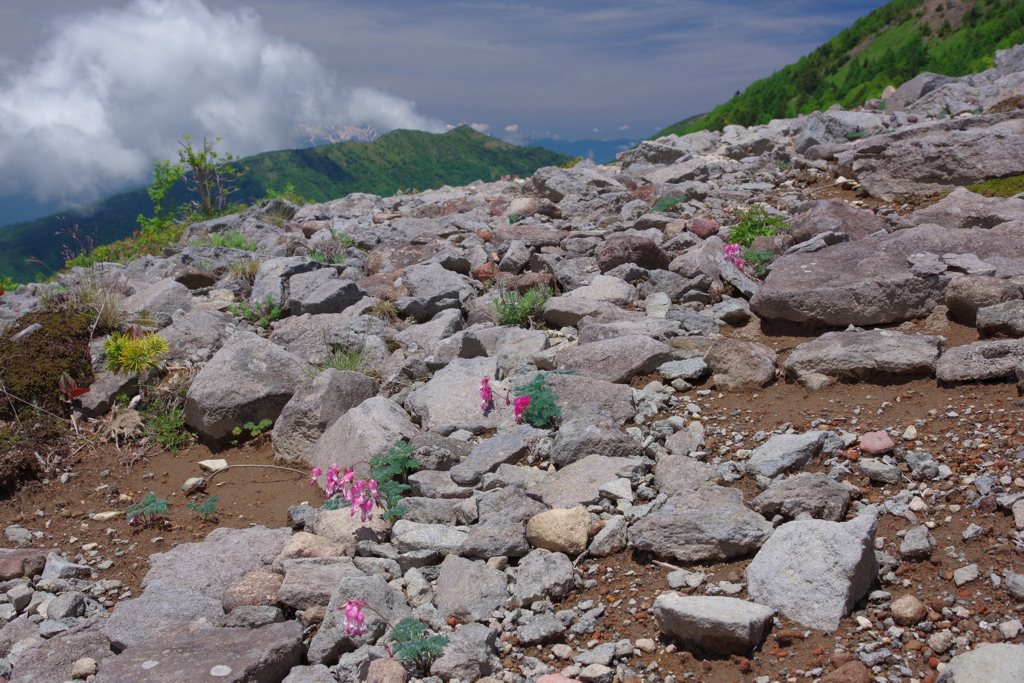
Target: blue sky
[{"x": 516, "y": 69}]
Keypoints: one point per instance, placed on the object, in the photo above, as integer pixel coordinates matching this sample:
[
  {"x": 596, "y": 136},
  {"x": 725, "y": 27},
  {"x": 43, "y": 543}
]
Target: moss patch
[
  {"x": 19, "y": 445},
  {"x": 30, "y": 368},
  {"x": 999, "y": 187}
]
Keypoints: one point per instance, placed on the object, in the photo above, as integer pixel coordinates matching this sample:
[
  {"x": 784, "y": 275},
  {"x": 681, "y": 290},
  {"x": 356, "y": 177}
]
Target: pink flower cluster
[
  {"x": 363, "y": 495},
  {"x": 519, "y": 405},
  {"x": 354, "y": 617},
  {"x": 732, "y": 255}
]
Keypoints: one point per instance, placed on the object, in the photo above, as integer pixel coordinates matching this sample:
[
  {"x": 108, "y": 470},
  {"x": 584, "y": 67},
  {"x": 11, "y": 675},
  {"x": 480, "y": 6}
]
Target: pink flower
[
  {"x": 522, "y": 403},
  {"x": 354, "y": 617},
  {"x": 486, "y": 395},
  {"x": 316, "y": 473}
]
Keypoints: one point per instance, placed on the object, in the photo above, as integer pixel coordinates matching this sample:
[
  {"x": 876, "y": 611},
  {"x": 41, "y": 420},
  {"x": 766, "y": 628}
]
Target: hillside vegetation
[
  {"x": 401, "y": 160},
  {"x": 890, "y": 45}
]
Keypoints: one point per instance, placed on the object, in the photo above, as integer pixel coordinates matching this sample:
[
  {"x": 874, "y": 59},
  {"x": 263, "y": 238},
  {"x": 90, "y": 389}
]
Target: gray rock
[
  {"x": 864, "y": 355},
  {"x": 501, "y": 449},
  {"x": 871, "y": 281},
  {"x": 332, "y": 639},
  {"x": 471, "y": 653},
  {"x": 691, "y": 368},
  {"x": 409, "y": 536},
  {"x": 710, "y": 523},
  {"x": 249, "y": 380},
  {"x": 432, "y": 278},
  {"x": 50, "y": 661},
  {"x": 434, "y": 484},
  {"x": 468, "y": 590},
  {"x": 692, "y": 321},
  {"x": 198, "y": 331},
  {"x": 424, "y": 340},
  {"x": 65, "y": 605},
  {"x": 783, "y": 452},
  {"x": 914, "y": 89},
  {"x": 738, "y": 365},
  {"x": 516, "y": 348},
  {"x": 966, "y": 294},
  {"x": 611, "y": 539},
  {"x": 930, "y": 158},
  {"x": 160, "y": 301},
  {"x": 503, "y": 514},
  {"x": 616, "y": 360},
  {"x": 321, "y": 291},
  {"x": 318, "y": 673},
  {"x": 315, "y": 406},
  {"x": 310, "y": 581},
  {"x": 433, "y": 402},
  {"x": 1005, "y": 318},
  {"x": 252, "y": 616},
  {"x": 59, "y": 568},
  {"x": 987, "y": 663},
  {"x": 806, "y": 493},
  {"x": 273, "y": 276},
  {"x": 543, "y": 575},
  {"x": 677, "y": 474},
  {"x": 513, "y": 476},
  {"x": 879, "y": 471},
  {"x": 580, "y": 482},
  {"x": 980, "y": 361},
  {"x": 833, "y": 215},
  {"x": 312, "y": 337},
  {"x": 814, "y": 571},
  {"x": 104, "y": 390},
  {"x": 713, "y": 624},
  {"x": 685, "y": 441},
  {"x": 193, "y": 652},
  {"x": 655, "y": 328},
  {"x": 568, "y": 311},
  {"x": 962, "y": 208},
  {"x": 918, "y": 544},
  {"x": 542, "y": 628},
  {"x": 364, "y": 432},
  {"x": 133, "y": 621},
  {"x": 584, "y": 394},
  {"x": 591, "y": 433}
]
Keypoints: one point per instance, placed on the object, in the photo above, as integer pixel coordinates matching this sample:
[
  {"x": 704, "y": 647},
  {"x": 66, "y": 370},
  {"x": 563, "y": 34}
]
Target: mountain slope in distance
[{"x": 401, "y": 159}]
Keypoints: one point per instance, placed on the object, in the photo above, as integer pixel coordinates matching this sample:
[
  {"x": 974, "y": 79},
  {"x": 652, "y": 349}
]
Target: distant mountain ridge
[
  {"x": 400, "y": 159},
  {"x": 598, "y": 151},
  {"x": 889, "y": 46}
]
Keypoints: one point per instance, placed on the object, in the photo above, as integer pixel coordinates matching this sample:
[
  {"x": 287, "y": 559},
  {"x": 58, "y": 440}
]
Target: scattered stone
[{"x": 714, "y": 624}]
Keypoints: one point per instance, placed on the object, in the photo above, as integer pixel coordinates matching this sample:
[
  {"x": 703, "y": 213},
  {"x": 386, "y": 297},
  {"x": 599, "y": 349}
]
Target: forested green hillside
[
  {"x": 887, "y": 47},
  {"x": 401, "y": 159}
]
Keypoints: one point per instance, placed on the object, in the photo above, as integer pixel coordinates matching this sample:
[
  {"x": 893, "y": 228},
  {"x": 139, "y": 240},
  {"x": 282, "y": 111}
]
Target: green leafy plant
[
  {"x": 165, "y": 425},
  {"x": 7, "y": 284},
  {"x": 666, "y": 203},
  {"x": 758, "y": 261},
  {"x": 134, "y": 351},
  {"x": 207, "y": 509},
  {"x": 391, "y": 474},
  {"x": 232, "y": 239},
  {"x": 146, "y": 511},
  {"x": 513, "y": 308},
  {"x": 254, "y": 428},
  {"x": 165, "y": 176},
  {"x": 756, "y": 222},
  {"x": 213, "y": 177},
  {"x": 513, "y": 219},
  {"x": 260, "y": 313},
  {"x": 858, "y": 135},
  {"x": 542, "y": 410},
  {"x": 288, "y": 194},
  {"x": 412, "y": 644}
]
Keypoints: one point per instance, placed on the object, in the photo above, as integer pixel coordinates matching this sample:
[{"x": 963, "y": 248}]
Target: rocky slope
[{"x": 864, "y": 542}]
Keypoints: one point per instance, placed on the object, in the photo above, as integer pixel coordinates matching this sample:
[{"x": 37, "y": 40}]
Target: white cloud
[
  {"x": 113, "y": 90},
  {"x": 513, "y": 128},
  {"x": 623, "y": 127},
  {"x": 479, "y": 127},
  {"x": 595, "y": 130}
]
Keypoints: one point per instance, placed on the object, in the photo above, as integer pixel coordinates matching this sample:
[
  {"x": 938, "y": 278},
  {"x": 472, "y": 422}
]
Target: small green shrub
[
  {"x": 7, "y": 284},
  {"x": 513, "y": 219},
  {"x": 261, "y": 313},
  {"x": 858, "y": 135},
  {"x": 543, "y": 410},
  {"x": 232, "y": 239},
  {"x": 245, "y": 270},
  {"x": 207, "y": 509},
  {"x": 339, "y": 359},
  {"x": 666, "y": 203},
  {"x": 412, "y": 644},
  {"x": 758, "y": 261},
  {"x": 523, "y": 310},
  {"x": 165, "y": 425},
  {"x": 391, "y": 472},
  {"x": 756, "y": 222},
  {"x": 132, "y": 352},
  {"x": 146, "y": 511}
]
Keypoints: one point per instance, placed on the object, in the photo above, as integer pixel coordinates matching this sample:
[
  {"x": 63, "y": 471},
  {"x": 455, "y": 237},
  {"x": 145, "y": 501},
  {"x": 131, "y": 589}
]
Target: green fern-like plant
[
  {"x": 543, "y": 410},
  {"x": 146, "y": 511},
  {"x": 412, "y": 644},
  {"x": 261, "y": 313},
  {"x": 391, "y": 472},
  {"x": 756, "y": 222},
  {"x": 207, "y": 509},
  {"x": 666, "y": 203}
]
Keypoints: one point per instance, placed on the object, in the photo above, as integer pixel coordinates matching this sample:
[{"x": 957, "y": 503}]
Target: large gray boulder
[
  {"x": 931, "y": 158},
  {"x": 709, "y": 524},
  {"x": 814, "y": 571},
  {"x": 738, "y": 365},
  {"x": 543, "y": 575},
  {"x": 833, "y": 215},
  {"x": 987, "y": 663},
  {"x": 197, "y": 332},
  {"x": 501, "y": 529},
  {"x": 865, "y": 354},
  {"x": 580, "y": 482},
  {"x": 468, "y": 590},
  {"x": 366, "y": 431},
  {"x": 1005, "y": 318},
  {"x": 199, "y": 651},
  {"x": 871, "y": 281},
  {"x": 471, "y": 654},
  {"x": 712, "y": 623},
  {"x": 962, "y": 208},
  {"x": 811, "y": 493},
  {"x": 616, "y": 360},
  {"x": 321, "y": 291},
  {"x": 249, "y": 380},
  {"x": 501, "y": 449},
  {"x": 133, "y": 621},
  {"x": 50, "y": 661},
  {"x": 452, "y": 395},
  {"x": 675, "y": 474},
  {"x": 314, "y": 407},
  {"x": 914, "y": 89},
  {"x": 966, "y": 294},
  {"x": 273, "y": 276},
  {"x": 980, "y": 361},
  {"x": 160, "y": 300},
  {"x": 577, "y": 394},
  {"x": 592, "y": 433}
]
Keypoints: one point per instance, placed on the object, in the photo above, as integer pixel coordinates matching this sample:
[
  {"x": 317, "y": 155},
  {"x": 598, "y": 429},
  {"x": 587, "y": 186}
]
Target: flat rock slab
[
  {"x": 711, "y": 523},
  {"x": 468, "y": 590},
  {"x": 51, "y": 661},
  {"x": 577, "y": 393},
  {"x": 812, "y": 493},
  {"x": 980, "y": 360},
  {"x": 714, "y": 624},
  {"x": 675, "y": 474},
  {"x": 785, "y": 451},
  {"x": 616, "y": 360},
  {"x": 452, "y": 396},
  {"x": 200, "y": 652},
  {"x": 133, "y": 621},
  {"x": 580, "y": 482},
  {"x": 498, "y": 450},
  {"x": 870, "y": 281},
  {"x": 814, "y": 571},
  {"x": 737, "y": 365},
  {"x": 988, "y": 663},
  {"x": 865, "y": 354}
]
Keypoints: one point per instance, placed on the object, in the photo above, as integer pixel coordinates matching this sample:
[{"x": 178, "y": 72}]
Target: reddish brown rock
[
  {"x": 528, "y": 281},
  {"x": 259, "y": 587},
  {"x": 15, "y": 564},
  {"x": 703, "y": 227},
  {"x": 908, "y": 611},
  {"x": 386, "y": 671},
  {"x": 642, "y": 251},
  {"x": 487, "y": 272},
  {"x": 740, "y": 365},
  {"x": 851, "y": 672}
]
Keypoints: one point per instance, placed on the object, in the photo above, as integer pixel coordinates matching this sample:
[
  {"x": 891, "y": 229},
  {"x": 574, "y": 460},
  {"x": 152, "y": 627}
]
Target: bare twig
[
  {"x": 9, "y": 395},
  {"x": 271, "y": 467}
]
